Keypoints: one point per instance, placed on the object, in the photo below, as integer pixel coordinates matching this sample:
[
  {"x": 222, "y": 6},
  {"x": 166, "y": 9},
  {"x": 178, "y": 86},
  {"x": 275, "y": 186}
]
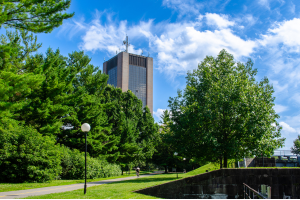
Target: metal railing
[
  {"x": 283, "y": 153},
  {"x": 250, "y": 193}
]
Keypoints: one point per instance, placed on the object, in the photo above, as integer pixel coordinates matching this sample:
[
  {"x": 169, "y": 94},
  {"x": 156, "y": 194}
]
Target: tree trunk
[
  {"x": 166, "y": 169},
  {"x": 122, "y": 172},
  {"x": 221, "y": 163}
]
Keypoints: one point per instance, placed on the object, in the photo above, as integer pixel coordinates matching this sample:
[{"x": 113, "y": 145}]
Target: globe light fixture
[{"x": 85, "y": 128}]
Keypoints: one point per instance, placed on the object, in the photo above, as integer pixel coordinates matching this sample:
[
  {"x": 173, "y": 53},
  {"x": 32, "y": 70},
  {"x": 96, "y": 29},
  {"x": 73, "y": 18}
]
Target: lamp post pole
[
  {"x": 85, "y": 128},
  {"x": 184, "y": 171},
  {"x": 175, "y": 154}
]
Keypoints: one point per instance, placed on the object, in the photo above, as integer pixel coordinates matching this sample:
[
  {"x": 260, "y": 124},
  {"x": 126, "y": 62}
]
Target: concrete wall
[{"x": 230, "y": 182}]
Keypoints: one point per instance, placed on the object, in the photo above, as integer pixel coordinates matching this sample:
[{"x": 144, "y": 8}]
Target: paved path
[{"x": 57, "y": 189}]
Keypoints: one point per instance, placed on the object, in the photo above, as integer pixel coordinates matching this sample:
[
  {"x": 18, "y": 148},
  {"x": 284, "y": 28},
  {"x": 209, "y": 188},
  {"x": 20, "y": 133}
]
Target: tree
[
  {"x": 16, "y": 84},
  {"x": 296, "y": 148},
  {"x": 33, "y": 15},
  {"x": 223, "y": 113},
  {"x": 165, "y": 149},
  {"x": 26, "y": 155}
]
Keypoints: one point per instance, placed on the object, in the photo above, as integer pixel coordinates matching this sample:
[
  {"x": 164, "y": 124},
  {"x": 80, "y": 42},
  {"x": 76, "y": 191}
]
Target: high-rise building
[{"x": 132, "y": 72}]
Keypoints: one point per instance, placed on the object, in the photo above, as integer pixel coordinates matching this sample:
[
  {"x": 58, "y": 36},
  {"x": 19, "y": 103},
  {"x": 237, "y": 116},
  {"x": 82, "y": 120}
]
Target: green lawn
[
  {"x": 6, "y": 187},
  {"x": 123, "y": 189}
]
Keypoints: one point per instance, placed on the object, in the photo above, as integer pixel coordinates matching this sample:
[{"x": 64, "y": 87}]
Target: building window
[
  {"x": 137, "y": 82},
  {"x": 112, "y": 73}
]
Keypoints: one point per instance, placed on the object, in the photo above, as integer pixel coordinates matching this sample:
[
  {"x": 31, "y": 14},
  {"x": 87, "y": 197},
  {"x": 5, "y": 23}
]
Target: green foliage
[
  {"x": 73, "y": 165},
  {"x": 223, "y": 113},
  {"x": 296, "y": 147},
  {"x": 26, "y": 155},
  {"x": 133, "y": 128},
  {"x": 33, "y": 15},
  {"x": 165, "y": 149},
  {"x": 15, "y": 82}
]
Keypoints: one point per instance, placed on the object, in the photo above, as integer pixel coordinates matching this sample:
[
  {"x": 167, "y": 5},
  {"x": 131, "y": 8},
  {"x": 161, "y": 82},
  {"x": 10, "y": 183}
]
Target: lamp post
[
  {"x": 85, "y": 128},
  {"x": 175, "y": 154},
  {"x": 184, "y": 165}
]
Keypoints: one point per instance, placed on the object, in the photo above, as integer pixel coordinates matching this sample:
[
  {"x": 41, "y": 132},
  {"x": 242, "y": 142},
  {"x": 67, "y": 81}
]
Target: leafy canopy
[
  {"x": 33, "y": 15},
  {"x": 224, "y": 113}
]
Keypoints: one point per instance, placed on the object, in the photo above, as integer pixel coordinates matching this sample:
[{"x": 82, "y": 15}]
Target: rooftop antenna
[
  {"x": 116, "y": 52},
  {"x": 126, "y": 43},
  {"x": 104, "y": 59},
  {"x": 142, "y": 52},
  {"x": 148, "y": 54}
]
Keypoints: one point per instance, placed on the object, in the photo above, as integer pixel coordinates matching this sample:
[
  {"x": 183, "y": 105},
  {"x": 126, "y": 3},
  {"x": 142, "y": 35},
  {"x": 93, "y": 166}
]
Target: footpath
[{"x": 57, "y": 189}]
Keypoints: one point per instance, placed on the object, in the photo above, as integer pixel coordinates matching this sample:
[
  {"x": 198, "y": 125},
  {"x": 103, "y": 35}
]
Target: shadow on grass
[{"x": 137, "y": 180}]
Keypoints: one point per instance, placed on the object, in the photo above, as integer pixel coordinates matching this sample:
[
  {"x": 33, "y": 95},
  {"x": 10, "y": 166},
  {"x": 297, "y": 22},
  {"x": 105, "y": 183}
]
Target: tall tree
[
  {"x": 165, "y": 149},
  {"x": 16, "y": 84},
  {"x": 33, "y": 15},
  {"x": 224, "y": 113}
]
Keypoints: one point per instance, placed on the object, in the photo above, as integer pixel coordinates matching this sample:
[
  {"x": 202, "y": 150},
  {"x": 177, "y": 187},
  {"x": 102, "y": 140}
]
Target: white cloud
[
  {"x": 286, "y": 33},
  {"x": 277, "y": 87},
  {"x": 287, "y": 128},
  {"x": 184, "y": 7},
  {"x": 109, "y": 37},
  {"x": 280, "y": 108},
  {"x": 158, "y": 113},
  {"x": 221, "y": 21},
  {"x": 296, "y": 98},
  {"x": 266, "y": 3},
  {"x": 181, "y": 47},
  {"x": 292, "y": 8}
]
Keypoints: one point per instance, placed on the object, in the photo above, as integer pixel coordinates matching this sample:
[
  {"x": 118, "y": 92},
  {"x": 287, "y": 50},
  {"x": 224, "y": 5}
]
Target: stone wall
[{"x": 230, "y": 182}]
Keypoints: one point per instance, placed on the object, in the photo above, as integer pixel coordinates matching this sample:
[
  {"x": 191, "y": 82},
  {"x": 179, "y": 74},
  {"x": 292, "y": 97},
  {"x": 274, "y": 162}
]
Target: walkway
[{"x": 58, "y": 189}]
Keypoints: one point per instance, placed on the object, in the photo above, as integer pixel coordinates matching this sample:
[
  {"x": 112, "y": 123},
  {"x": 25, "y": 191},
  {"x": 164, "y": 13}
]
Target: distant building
[{"x": 132, "y": 72}]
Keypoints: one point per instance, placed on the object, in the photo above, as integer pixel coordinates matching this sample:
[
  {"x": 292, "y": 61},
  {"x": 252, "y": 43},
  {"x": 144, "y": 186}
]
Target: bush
[
  {"x": 73, "y": 164},
  {"x": 26, "y": 155}
]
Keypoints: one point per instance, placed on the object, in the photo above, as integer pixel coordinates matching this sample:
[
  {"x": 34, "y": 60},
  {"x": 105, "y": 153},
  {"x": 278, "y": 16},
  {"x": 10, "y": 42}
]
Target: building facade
[{"x": 132, "y": 72}]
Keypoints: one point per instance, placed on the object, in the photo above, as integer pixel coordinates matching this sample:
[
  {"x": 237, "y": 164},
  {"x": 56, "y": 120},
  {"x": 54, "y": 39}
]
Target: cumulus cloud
[
  {"x": 220, "y": 21},
  {"x": 158, "y": 113},
  {"x": 182, "y": 47},
  {"x": 280, "y": 108},
  {"x": 109, "y": 37},
  {"x": 287, "y": 128},
  {"x": 286, "y": 33}
]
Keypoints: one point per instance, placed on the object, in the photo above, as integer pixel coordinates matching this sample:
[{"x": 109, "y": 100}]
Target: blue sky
[{"x": 178, "y": 34}]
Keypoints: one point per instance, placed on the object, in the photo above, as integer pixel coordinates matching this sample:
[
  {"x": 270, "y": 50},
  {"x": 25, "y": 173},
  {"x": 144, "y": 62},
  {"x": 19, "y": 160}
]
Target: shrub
[
  {"x": 27, "y": 156},
  {"x": 73, "y": 165}
]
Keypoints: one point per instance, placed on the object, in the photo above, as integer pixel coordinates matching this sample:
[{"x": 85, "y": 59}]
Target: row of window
[
  {"x": 112, "y": 73},
  {"x": 137, "y": 82}
]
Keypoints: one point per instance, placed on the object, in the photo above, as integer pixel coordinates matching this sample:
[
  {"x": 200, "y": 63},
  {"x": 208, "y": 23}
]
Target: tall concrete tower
[{"x": 132, "y": 72}]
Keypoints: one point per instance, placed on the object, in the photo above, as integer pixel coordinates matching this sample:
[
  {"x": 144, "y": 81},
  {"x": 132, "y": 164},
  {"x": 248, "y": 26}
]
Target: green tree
[
  {"x": 223, "y": 113},
  {"x": 16, "y": 83},
  {"x": 26, "y": 155},
  {"x": 33, "y": 15},
  {"x": 296, "y": 147},
  {"x": 70, "y": 94},
  {"x": 165, "y": 149}
]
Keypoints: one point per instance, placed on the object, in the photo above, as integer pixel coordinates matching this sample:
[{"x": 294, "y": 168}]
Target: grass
[
  {"x": 6, "y": 187},
  {"x": 124, "y": 189}
]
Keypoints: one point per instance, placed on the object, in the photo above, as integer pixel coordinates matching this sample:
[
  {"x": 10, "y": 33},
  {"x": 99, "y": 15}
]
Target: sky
[{"x": 179, "y": 34}]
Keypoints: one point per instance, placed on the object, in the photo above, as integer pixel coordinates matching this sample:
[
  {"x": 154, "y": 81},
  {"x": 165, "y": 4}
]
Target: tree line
[
  {"x": 43, "y": 96},
  {"x": 223, "y": 114}
]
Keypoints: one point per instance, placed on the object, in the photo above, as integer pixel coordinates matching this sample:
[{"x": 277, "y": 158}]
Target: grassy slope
[
  {"x": 5, "y": 187},
  {"x": 123, "y": 189}
]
